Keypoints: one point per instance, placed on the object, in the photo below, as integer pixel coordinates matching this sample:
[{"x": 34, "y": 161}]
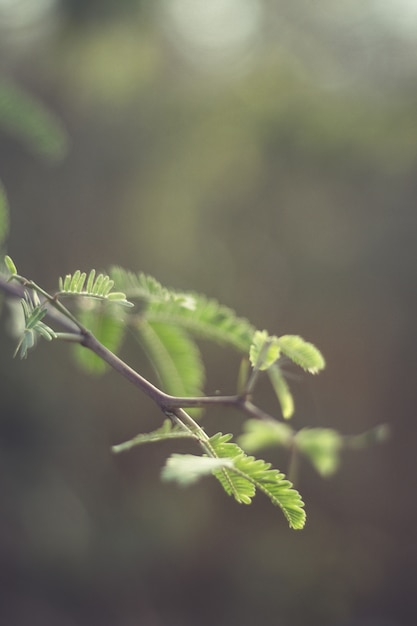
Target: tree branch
[{"x": 167, "y": 403}]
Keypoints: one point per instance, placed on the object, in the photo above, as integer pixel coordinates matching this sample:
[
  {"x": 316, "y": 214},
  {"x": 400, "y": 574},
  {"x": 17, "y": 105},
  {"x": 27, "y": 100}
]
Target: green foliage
[
  {"x": 97, "y": 286},
  {"x": 107, "y": 322},
  {"x": 322, "y": 446},
  {"x": 260, "y": 434},
  {"x": 166, "y": 431},
  {"x": 234, "y": 483},
  {"x": 282, "y": 391},
  {"x": 175, "y": 357},
  {"x": 23, "y": 116},
  {"x": 33, "y": 312},
  {"x": 264, "y": 354},
  {"x": 186, "y": 469},
  {"x": 10, "y": 266},
  {"x": 264, "y": 350},
  {"x": 302, "y": 353},
  {"x": 167, "y": 325},
  {"x": 141, "y": 286},
  {"x": 249, "y": 474},
  {"x": 199, "y": 316}
]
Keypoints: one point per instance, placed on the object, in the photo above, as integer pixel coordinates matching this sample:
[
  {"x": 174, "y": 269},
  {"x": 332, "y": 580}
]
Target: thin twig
[{"x": 166, "y": 402}]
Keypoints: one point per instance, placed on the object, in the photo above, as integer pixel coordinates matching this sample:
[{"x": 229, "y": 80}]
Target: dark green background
[{"x": 285, "y": 187}]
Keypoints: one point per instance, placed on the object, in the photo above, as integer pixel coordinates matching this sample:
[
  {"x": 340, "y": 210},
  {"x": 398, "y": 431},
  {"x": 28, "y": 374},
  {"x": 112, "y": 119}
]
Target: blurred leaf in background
[{"x": 23, "y": 116}]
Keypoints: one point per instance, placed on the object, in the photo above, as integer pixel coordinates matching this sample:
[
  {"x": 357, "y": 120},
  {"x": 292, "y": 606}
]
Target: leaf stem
[{"x": 169, "y": 404}]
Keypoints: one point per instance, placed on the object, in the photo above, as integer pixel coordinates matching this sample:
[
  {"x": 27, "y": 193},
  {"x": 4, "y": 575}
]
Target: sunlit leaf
[
  {"x": 256, "y": 474},
  {"x": 186, "y": 469},
  {"x": 199, "y": 316},
  {"x": 99, "y": 286},
  {"x": 175, "y": 358},
  {"x": 166, "y": 431},
  {"x": 260, "y": 434},
  {"x": 303, "y": 353},
  {"x": 264, "y": 350},
  {"x": 107, "y": 323},
  {"x": 33, "y": 311},
  {"x": 282, "y": 391},
  {"x": 9, "y": 263},
  {"x": 322, "y": 446}
]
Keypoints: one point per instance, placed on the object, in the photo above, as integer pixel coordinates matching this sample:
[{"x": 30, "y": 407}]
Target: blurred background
[{"x": 264, "y": 153}]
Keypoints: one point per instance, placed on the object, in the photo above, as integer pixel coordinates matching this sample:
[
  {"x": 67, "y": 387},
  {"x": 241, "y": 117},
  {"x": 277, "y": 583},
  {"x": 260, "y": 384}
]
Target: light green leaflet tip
[
  {"x": 303, "y": 353},
  {"x": 8, "y": 261},
  {"x": 264, "y": 350},
  {"x": 99, "y": 286},
  {"x": 249, "y": 474}
]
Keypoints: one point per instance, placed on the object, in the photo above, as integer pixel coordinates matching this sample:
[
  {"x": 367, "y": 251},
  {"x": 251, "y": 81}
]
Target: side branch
[{"x": 167, "y": 403}]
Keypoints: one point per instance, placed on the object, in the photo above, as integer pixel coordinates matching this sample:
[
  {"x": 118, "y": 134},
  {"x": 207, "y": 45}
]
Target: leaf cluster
[
  {"x": 169, "y": 324},
  {"x": 33, "y": 312},
  {"x": 25, "y": 117}
]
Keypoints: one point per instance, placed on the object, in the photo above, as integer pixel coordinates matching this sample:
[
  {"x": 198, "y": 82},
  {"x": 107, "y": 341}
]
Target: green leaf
[
  {"x": 256, "y": 474},
  {"x": 33, "y": 312},
  {"x": 99, "y": 287},
  {"x": 282, "y": 391},
  {"x": 260, "y": 434},
  {"x": 9, "y": 263},
  {"x": 166, "y": 431},
  {"x": 4, "y": 215},
  {"x": 208, "y": 320},
  {"x": 274, "y": 485},
  {"x": 322, "y": 446},
  {"x": 140, "y": 286},
  {"x": 107, "y": 323},
  {"x": 199, "y": 316},
  {"x": 175, "y": 358},
  {"x": 186, "y": 469},
  {"x": 22, "y": 115},
  {"x": 234, "y": 484},
  {"x": 303, "y": 353},
  {"x": 264, "y": 350}
]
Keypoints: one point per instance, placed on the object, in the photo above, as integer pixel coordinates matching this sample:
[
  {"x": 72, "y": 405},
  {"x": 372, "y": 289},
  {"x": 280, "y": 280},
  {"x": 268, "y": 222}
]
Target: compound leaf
[
  {"x": 322, "y": 446},
  {"x": 99, "y": 287},
  {"x": 166, "y": 431},
  {"x": 282, "y": 391},
  {"x": 260, "y": 434},
  {"x": 186, "y": 469},
  {"x": 264, "y": 350},
  {"x": 174, "y": 356},
  {"x": 197, "y": 315},
  {"x": 107, "y": 324},
  {"x": 256, "y": 474},
  {"x": 303, "y": 353},
  {"x": 33, "y": 311}
]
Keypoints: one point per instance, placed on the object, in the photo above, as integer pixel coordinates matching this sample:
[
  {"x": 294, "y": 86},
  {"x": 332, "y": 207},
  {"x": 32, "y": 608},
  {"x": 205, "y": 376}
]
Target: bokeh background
[{"x": 264, "y": 153}]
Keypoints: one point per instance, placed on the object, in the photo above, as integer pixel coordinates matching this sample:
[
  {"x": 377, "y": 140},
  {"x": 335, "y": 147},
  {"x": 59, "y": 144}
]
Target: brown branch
[{"x": 167, "y": 403}]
